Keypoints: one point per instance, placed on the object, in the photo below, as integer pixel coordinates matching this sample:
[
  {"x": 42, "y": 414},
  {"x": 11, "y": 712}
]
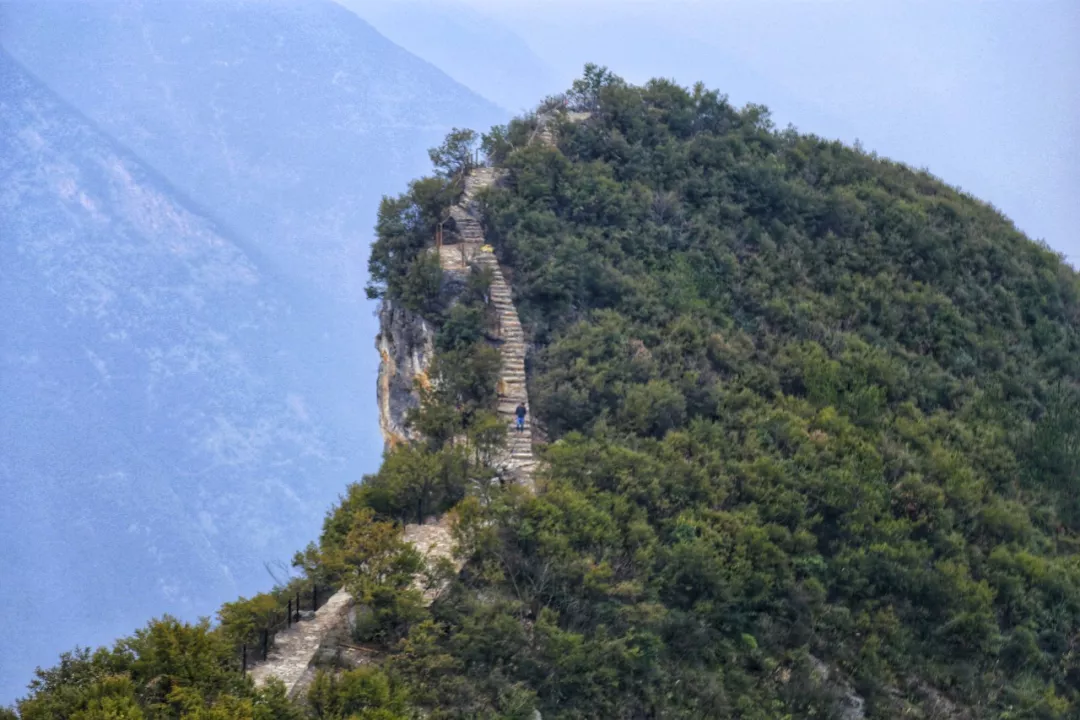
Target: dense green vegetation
[
  {"x": 808, "y": 405},
  {"x": 813, "y": 433}
]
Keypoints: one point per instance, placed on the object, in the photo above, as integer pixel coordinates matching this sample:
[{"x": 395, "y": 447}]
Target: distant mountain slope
[
  {"x": 475, "y": 49},
  {"x": 141, "y": 403},
  {"x": 187, "y": 192},
  {"x": 288, "y": 119}
]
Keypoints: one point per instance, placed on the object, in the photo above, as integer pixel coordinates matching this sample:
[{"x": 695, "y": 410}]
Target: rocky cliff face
[{"x": 406, "y": 346}]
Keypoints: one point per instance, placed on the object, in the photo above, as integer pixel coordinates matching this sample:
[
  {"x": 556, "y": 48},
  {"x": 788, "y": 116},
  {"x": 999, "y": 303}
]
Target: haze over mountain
[
  {"x": 472, "y": 47},
  {"x": 186, "y": 358}
]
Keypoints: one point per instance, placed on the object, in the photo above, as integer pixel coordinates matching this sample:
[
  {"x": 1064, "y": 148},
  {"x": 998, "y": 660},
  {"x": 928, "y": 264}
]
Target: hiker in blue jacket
[{"x": 520, "y": 412}]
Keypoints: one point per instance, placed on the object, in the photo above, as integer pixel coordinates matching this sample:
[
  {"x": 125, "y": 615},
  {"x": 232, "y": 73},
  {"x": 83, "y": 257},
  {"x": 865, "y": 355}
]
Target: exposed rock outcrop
[
  {"x": 851, "y": 704},
  {"x": 406, "y": 344}
]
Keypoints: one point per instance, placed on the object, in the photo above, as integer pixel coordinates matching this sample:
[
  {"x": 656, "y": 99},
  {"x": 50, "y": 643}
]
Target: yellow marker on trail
[{"x": 487, "y": 248}]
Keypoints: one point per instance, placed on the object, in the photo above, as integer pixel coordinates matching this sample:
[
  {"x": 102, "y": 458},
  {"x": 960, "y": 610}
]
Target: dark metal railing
[{"x": 261, "y": 642}]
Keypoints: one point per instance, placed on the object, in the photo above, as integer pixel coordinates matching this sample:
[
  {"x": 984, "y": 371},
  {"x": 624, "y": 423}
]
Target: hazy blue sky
[{"x": 984, "y": 94}]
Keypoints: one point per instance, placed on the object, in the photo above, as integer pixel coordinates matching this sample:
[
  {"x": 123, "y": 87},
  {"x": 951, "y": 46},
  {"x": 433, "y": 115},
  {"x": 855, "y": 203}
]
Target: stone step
[{"x": 518, "y": 457}]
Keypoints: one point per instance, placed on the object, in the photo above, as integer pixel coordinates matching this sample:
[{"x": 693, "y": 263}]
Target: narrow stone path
[
  {"x": 516, "y": 460},
  {"x": 294, "y": 648}
]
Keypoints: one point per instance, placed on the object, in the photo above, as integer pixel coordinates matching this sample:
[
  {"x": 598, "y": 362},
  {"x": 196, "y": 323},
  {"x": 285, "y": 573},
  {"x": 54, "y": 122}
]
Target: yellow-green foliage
[
  {"x": 365, "y": 693},
  {"x": 169, "y": 670}
]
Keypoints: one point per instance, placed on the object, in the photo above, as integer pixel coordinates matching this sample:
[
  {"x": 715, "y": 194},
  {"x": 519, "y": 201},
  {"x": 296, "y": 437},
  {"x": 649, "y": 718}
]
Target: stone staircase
[
  {"x": 517, "y": 459},
  {"x": 294, "y": 649}
]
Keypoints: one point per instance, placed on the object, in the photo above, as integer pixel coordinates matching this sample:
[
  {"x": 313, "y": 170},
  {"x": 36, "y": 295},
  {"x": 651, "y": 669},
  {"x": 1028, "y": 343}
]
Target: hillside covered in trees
[{"x": 812, "y": 448}]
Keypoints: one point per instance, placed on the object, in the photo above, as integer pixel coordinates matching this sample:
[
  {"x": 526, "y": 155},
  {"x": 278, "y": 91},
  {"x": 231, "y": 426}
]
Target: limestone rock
[{"x": 406, "y": 346}]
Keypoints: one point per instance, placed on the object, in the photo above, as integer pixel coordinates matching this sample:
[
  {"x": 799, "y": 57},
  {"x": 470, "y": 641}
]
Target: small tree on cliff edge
[
  {"x": 585, "y": 93},
  {"x": 455, "y": 155}
]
